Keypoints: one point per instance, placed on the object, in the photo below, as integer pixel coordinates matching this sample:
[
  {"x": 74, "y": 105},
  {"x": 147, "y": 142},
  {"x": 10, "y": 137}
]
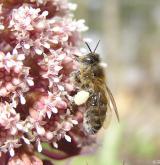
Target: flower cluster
[
  {"x": 39, "y": 42},
  {"x": 14, "y": 76}
]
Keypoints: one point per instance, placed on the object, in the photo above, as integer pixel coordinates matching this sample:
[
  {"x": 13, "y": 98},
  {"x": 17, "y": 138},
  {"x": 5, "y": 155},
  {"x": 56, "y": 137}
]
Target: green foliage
[{"x": 143, "y": 147}]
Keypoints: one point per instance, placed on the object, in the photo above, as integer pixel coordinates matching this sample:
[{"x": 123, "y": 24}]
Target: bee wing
[
  {"x": 107, "y": 119},
  {"x": 107, "y": 109},
  {"x": 112, "y": 101}
]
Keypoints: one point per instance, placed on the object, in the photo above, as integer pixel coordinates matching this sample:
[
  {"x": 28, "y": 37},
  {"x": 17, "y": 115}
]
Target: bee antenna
[
  {"x": 96, "y": 46},
  {"x": 88, "y": 47}
]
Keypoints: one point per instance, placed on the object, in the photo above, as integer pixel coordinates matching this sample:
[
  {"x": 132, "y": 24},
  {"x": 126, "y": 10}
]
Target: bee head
[{"x": 92, "y": 57}]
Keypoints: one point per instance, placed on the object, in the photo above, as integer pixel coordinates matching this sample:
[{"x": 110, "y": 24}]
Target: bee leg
[
  {"x": 76, "y": 77},
  {"x": 73, "y": 107}
]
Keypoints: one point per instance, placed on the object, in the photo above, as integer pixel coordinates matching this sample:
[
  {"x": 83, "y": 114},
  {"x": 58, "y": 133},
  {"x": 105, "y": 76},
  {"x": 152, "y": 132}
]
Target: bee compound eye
[{"x": 88, "y": 60}]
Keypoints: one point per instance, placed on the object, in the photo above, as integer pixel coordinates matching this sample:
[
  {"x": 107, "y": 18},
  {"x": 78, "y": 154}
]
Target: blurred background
[{"x": 130, "y": 44}]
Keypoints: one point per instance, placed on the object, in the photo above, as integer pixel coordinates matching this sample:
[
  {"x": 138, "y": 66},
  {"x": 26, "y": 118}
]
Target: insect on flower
[
  {"x": 91, "y": 79},
  {"x": 39, "y": 42}
]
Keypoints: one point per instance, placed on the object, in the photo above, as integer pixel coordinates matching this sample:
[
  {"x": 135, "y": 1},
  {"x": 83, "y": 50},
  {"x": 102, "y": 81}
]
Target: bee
[{"x": 91, "y": 78}]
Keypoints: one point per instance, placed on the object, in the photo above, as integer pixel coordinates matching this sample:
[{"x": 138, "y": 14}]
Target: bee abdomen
[{"x": 93, "y": 120}]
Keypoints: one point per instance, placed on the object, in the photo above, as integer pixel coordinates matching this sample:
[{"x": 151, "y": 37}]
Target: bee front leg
[{"x": 76, "y": 77}]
